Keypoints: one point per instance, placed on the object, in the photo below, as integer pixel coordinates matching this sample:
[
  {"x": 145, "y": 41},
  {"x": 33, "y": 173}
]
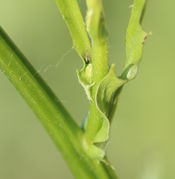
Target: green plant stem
[
  {"x": 65, "y": 133},
  {"x": 97, "y": 31},
  {"x": 72, "y": 16}
]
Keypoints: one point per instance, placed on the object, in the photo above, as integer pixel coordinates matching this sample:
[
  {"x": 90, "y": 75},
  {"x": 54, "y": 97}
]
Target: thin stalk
[
  {"x": 72, "y": 16},
  {"x": 99, "y": 37},
  {"x": 65, "y": 133},
  {"x": 96, "y": 28}
]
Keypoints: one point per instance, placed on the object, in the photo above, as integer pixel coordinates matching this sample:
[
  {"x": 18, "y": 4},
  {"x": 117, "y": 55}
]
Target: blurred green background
[{"x": 142, "y": 144}]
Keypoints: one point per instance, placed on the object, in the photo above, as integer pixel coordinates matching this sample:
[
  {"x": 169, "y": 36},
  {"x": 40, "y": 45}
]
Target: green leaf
[
  {"x": 103, "y": 107},
  {"x": 135, "y": 38},
  {"x": 106, "y": 100},
  {"x": 85, "y": 79},
  {"x": 108, "y": 92}
]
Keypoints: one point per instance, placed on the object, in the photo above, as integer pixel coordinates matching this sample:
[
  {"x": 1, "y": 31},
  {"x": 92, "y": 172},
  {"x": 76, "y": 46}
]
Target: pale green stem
[
  {"x": 97, "y": 31},
  {"x": 70, "y": 11}
]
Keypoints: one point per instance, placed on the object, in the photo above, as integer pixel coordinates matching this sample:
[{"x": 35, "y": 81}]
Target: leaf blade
[{"x": 135, "y": 36}]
